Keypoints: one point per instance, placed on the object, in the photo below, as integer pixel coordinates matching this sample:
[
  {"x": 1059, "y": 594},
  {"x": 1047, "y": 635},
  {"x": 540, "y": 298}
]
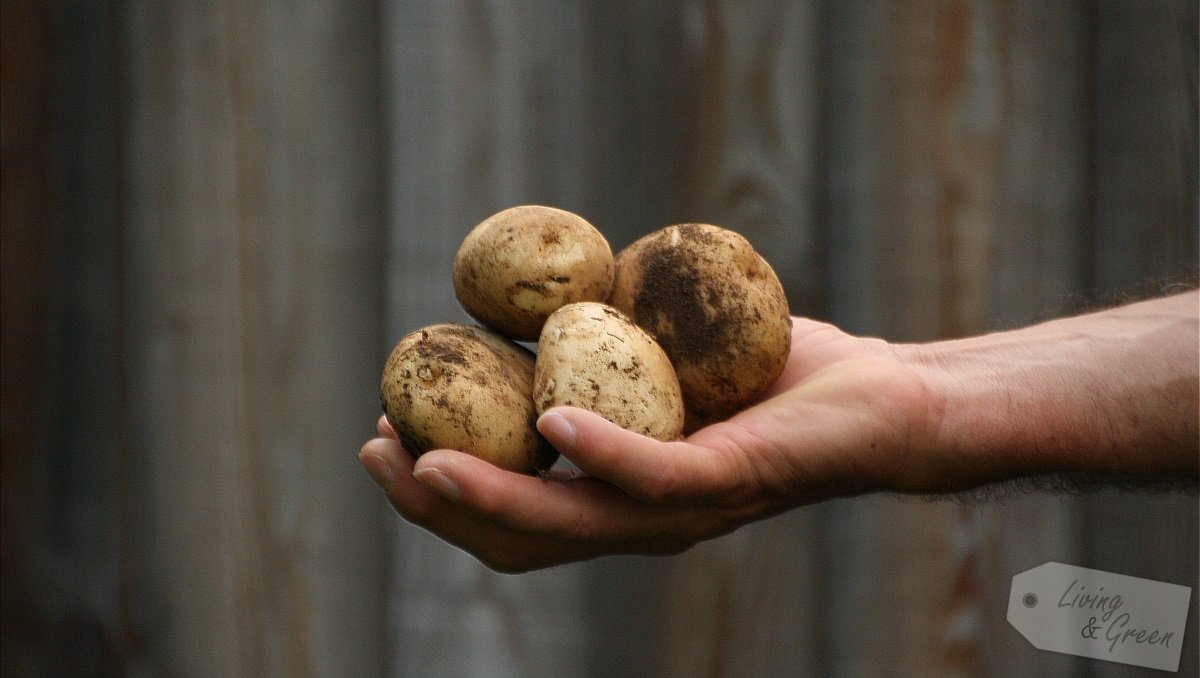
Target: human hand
[{"x": 846, "y": 416}]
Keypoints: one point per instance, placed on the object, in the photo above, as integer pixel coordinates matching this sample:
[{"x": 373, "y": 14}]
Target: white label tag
[{"x": 1101, "y": 615}]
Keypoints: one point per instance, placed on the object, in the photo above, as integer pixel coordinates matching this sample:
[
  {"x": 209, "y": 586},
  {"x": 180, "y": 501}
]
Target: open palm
[{"x": 843, "y": 417}]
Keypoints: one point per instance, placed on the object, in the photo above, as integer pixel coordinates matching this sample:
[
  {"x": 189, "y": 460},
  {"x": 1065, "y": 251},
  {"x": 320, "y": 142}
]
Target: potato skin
[
  {"x": 591, "y": 356},
  {"x": 716, "y": 307},
  {"x": 521, "y": 264},
  {"x": 452, "y": 386}
]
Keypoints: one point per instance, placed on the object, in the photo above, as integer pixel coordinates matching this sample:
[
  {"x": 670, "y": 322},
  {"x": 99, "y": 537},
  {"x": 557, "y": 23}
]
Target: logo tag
[{"x": 1101, "y": 615}]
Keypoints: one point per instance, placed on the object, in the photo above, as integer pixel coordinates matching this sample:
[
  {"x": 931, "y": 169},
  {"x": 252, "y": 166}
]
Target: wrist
[
  {"x": 1110, "y": 394},
  {"x": 985, "y": 413}
]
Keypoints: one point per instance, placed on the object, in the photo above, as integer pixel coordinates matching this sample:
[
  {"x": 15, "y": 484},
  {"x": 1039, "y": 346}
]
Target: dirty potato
[
  {"x": 592, "y": 356},
  {"x": 716, "y": 307},
  {"x": 518, "y": 266},
  {"x": 452, "y": 386}
]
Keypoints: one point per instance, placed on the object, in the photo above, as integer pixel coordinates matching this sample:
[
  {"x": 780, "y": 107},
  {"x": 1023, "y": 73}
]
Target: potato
[
  {"x": 452, "y": 386},
  {"x": 518, "y": 266},
  {"x": 716, "y": 307},
  {"x": 592, "y": 356}
]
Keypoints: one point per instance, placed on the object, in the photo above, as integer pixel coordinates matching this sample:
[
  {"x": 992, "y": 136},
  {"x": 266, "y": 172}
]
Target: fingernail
[
  {"x": 438, "y": 482},
  {"x": 379, "y": 470},
  {"x": 559, "y": 431}
]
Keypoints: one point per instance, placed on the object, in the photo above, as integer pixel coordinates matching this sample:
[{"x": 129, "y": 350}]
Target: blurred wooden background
[{"x": 219, "y": 216}]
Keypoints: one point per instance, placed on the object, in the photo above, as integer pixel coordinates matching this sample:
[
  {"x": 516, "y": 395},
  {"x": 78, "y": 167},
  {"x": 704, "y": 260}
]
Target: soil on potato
[
  {"x": 700, "y": 319},
  {"x": 675, "y": 308}
]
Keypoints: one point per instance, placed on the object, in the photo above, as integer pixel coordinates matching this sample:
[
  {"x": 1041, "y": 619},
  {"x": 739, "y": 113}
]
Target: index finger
[
  {"x": 649, "y": 470},
  {"x": 586, "y": 515}
]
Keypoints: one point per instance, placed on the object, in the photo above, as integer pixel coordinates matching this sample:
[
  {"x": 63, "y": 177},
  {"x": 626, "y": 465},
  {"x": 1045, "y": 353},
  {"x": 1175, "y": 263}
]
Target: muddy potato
[
  {"x": 716, "y": 307},
  {"x": 452, "y": 386},
  {"x": 518, "y": 266},
  {"x": 592, "y": 356}
]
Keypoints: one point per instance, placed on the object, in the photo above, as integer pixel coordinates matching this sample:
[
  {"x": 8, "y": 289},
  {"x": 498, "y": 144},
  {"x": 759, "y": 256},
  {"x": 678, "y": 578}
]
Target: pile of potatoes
[{"x": 684, "y": 327}]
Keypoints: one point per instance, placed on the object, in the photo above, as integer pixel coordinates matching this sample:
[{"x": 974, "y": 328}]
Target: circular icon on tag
[{"x": 1030, "y": 600}]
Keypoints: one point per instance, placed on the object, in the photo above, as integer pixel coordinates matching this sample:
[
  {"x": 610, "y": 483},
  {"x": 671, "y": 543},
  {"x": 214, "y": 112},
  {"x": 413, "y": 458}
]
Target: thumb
[{"x": 647, "y": 469}]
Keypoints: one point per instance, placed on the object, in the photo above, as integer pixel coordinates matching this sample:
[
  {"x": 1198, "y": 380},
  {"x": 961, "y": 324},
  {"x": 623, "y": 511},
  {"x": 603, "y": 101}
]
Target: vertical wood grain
[
  {"x": 1037, "y": 232},
  {"x": 62, "y": 577},
  {"x": 914, "y": 137},
  {"x": 253, "y": 246},
  {"x": 266, "y": 212},
  {"x": 1144, "y": 164},
  {"x": 949, "y": 191},
  {"x": 1040, "y": 234},
  {"x": 640, "y": 85},
  {"x": 643, "y": 88},
  {"x": 749, "y": 598},
  {"x": 486, "y": 112},
  {"x": 1144, "y": 155},
  {"x": 915, "y": 127},
  {"x": 755, "y": 112},
  {"x": 25, "y": 208}
]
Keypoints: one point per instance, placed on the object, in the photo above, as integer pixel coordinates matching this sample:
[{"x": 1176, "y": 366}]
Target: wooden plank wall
[
  {"x": 226, "y": 213},
  {"x": 484, "y": 114},
  {"x": 252, "y": 246},
  {"x": 914, "y": 170}
]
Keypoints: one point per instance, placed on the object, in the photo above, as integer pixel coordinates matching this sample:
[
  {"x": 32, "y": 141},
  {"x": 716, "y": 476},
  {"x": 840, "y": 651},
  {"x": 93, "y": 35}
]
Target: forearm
[{"x": 1110, "y": 393}]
